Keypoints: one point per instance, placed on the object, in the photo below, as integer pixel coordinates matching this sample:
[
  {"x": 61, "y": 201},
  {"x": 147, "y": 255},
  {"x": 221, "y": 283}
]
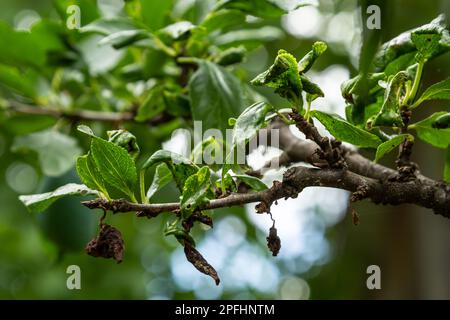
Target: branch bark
[{"x": 435, "y": 196}]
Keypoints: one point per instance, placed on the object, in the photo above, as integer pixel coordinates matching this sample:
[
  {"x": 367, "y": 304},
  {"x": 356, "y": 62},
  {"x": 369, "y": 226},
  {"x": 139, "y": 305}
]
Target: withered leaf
[
  {"x": 273, "y": 241},
  {"x": 108, "y": 244},
  {"x": 200, "y": 263}
]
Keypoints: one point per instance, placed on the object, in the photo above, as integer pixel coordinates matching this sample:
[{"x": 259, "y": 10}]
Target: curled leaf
[
  {"x": 308, "y": 60},
  {"x": 108, "y": 244},
  {"x": 284, "y": 76},
  {"x": 200, "y": 263},
  {"x": 126, "y": 140}
]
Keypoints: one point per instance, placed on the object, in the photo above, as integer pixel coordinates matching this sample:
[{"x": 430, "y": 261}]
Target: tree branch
[
  {"x": 434, "y": 195},
  {"x": 77, "y": 115}
]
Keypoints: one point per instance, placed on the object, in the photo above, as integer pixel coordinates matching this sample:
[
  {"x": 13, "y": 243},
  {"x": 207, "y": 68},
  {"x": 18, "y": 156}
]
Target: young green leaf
[
  {"x": 89, "y": 174},
  {"x": 439, "y": 138},
  {"x": 253, "y": 182},
  {"x": 251, "y": 120},
  {"x": 40, "y": 202},
  {"x": 215, "y": 95},
  {"x": 438, "y": 91},
  {"x": 181, "y": 167},
  {"x": 162, "y": 177},
  {"x": 284, "y": 76},
  {"x": 124, "y": 38},
  {"x": 389, "y": 114},
  {"x": 196, "y": 191},
  {"x": 342, "y": 130},
  {"x": 56, "y": 151},
  {"x": 390, "y": 145},
  {"x": 115, "y": 165}
]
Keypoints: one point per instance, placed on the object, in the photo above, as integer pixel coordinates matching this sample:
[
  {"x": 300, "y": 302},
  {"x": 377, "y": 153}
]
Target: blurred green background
[{"x": 323, "y": 255}]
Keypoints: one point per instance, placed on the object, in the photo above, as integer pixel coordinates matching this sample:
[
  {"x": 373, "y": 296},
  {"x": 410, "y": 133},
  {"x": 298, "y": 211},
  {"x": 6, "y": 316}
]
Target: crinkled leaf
[
  {"x": 215, "y": 96},
  {"x": 439, "y": 138},
  {"x": 162, "y": 177},
  {"x": 308, "y": 60},
  {"x": 56, "y": 151},
  {"x": 344, "y": 131},
  {"x": 403, "y": 44},
  {"x": 284, "y": 76},
  {"x": 390, "y": 145},
  {"x": 126, "y": 140},
  {"x": 389, "y": 114},
  {"x": 311, "y": 88},
  {"x": 40, "y": 202},
  {"x": 196, "y": 192}
]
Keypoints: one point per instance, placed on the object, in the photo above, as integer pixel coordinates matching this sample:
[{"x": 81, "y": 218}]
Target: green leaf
[
  {"x": 230, "y": 56},
  {"x": 253, "y": 182},
  {"x": 390, "y": 145},
  {"x": 215, "y": 96},
  {"x": 180, "y": 166},
  {"x": 447, "y": 167},
  {"x": 56, "y": 151},
  {"x": 218, "y": 20},
  {"x": 180, "y": 30},
  {"x": 107, "y": 26},
  {"x": 403, "y": 44},
  {"x": 439, "y": 138},
  {"x": 308, "y": 60},
  {"x": 442, "y": 122},
  {"x": 126, "y": 140},
  {"x": 250, "y": 38},
  {"x": 259, "y": 8},
  {"x": 152, "y": 105},
  {"x": 89, "y": 174},
  {"x": 124, "y": 38},
  {"x": 115, "y": 165},
  {"x": 438, "y": 91},
  {"x": 251, "y": 120},
  {"x": 284, "y": 76},
  {"x": 40, "y": 202},
  {"x": 389, "y": 114},
  {"x": 196, "y": 192},
  {"x": 162, "y": 177},
  {"x": 344, "y": 131},
  {"x": 311, "y": 88},
  {"x": 17, "y": 81}
]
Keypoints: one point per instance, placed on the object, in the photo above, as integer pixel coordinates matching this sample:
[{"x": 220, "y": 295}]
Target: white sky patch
[{"x": 304, "y": 22}]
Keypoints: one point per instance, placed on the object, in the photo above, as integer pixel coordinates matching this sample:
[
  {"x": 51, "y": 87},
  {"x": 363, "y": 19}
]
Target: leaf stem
[
  {"x": 144, "y": 198},
  {"x": 415, "y": 87}
]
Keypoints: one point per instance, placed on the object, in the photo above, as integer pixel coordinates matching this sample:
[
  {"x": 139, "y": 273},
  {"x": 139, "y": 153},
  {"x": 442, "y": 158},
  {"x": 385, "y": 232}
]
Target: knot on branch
[
  {"x": 330, "y": 149},
  {"x": 361, "y": 193}
]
